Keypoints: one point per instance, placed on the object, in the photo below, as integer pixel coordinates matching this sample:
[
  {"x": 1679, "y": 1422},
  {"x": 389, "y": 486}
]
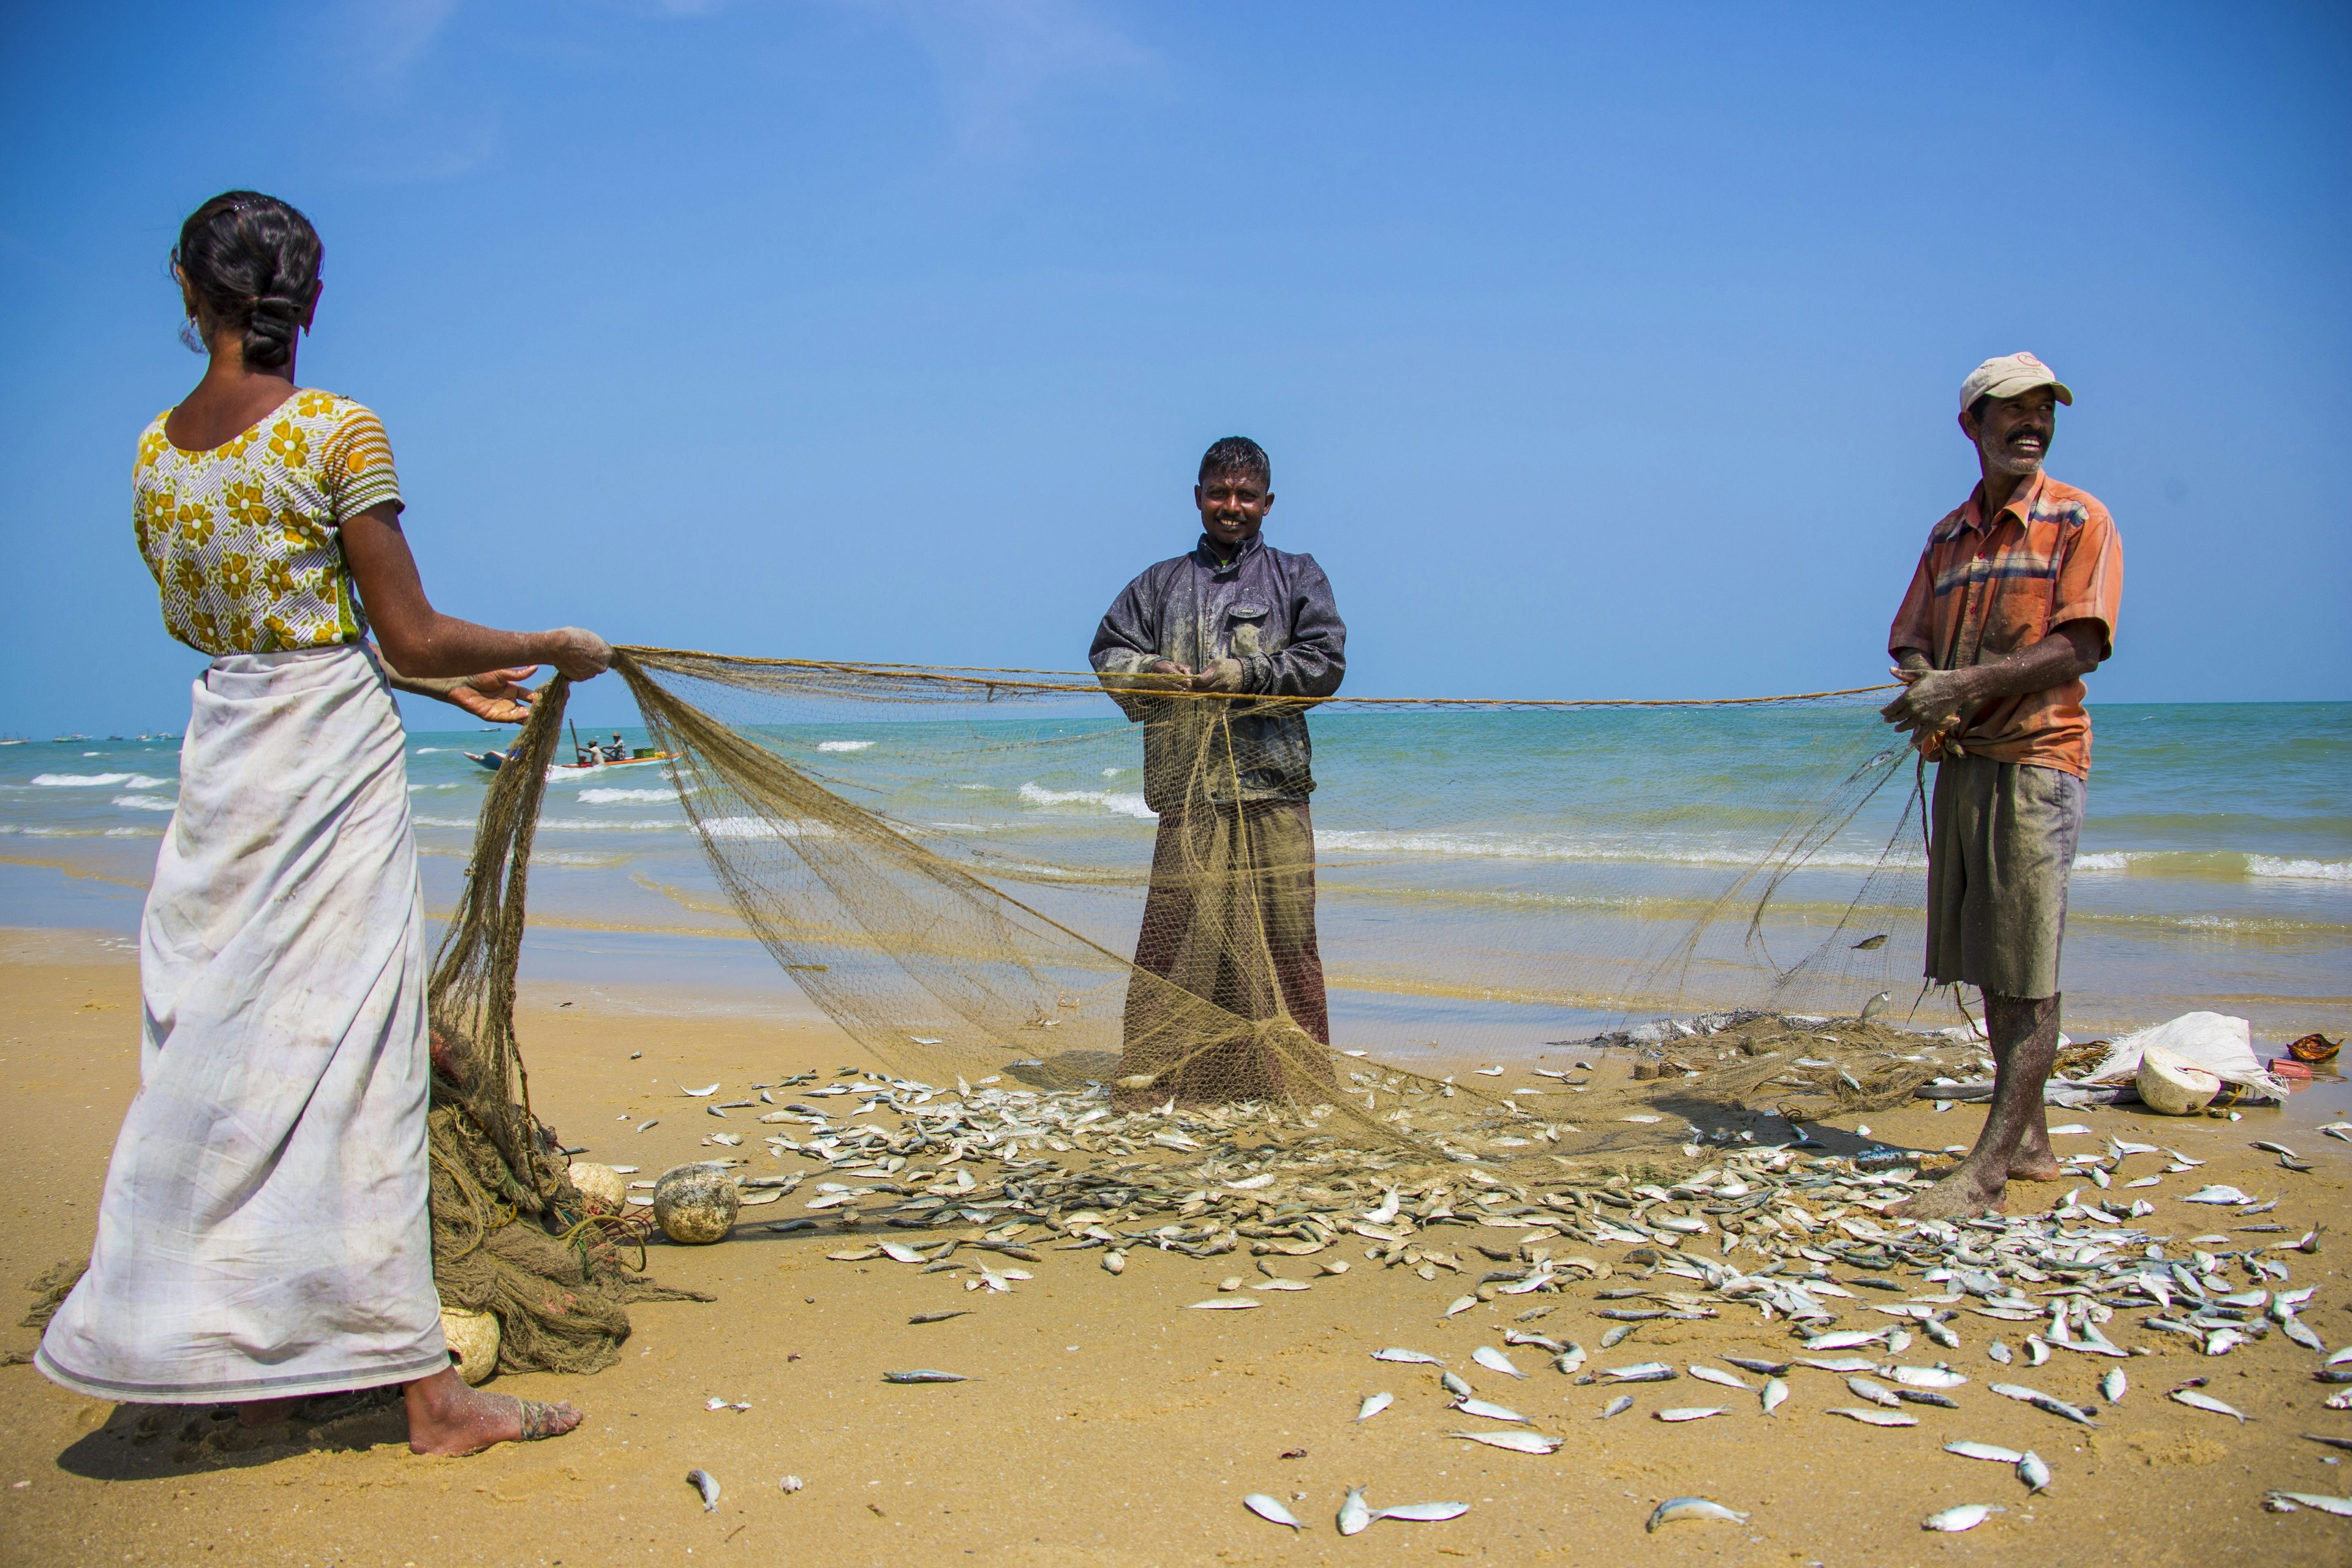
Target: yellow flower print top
[{"x": 244, "y": 539}]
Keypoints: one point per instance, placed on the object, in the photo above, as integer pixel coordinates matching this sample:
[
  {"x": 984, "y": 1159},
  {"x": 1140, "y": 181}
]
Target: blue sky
[{"x": 1601, "y": 350}]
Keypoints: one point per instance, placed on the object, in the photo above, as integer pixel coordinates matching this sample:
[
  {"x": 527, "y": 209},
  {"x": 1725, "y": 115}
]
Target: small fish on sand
[
  {"x": 1644, "y": 1372},
  {"x": 1873, "y": 1417},
  {"x": 1968, "y": 1516},
  {"x": 644, "y": 1126},
  {"x": 1373, "y": 1405},
  {"x": 1992, "y": 1451},
  {"x": 2339, "y": 1506},
  {"x": 2034, "y": 1471},
  {"x": 1682, "y": 1508},
  {"x": 2040, "y": 1401},
  {"x": 1617, "y": 1407},
  {"x": 1926, "y": 1376},
  {"x": 1488, "y": 1411},
  {"x": 924, "y": 1375},
  {"x": 1456, "y": 1386},
  {"x": 1355, "y": 1514},
  {"x": 1494, "y": 1360},
  {"x": 1518, "y": 1442},
  {"x": 1423, "y": 1512},
  {"x": 2111, "y": 1386},
  {"x": 1407, "y": 1356},
  {"x": 706, "y": 1484},
  {"x": 940, "y": 1317},
  {"x": 1222, "y": 1304},
  {"x": 1999, "y": 1351},
  {"x": 1876, "y": 1393},
  {"x": 1460, "y": 1305},
  {"x": 697, "y": 1093},
  {"x": 1266, "y": 1507},
  {"x": 1776, "y": 1394},
  {"x": 2206, "y": 1402},
  {"x": 1758, "y": 1366},
  {"x": 1718, "y": 1376},
  {"x": 1688, "y": 1412}
]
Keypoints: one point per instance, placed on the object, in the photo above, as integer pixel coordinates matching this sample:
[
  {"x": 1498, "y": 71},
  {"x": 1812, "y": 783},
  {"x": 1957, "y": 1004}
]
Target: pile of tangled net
[{"x": 512, "y": 1234}]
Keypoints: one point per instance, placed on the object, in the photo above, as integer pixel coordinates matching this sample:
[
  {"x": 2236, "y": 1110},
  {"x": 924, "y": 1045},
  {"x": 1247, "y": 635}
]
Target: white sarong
[{"x": 265, "y": 1229}]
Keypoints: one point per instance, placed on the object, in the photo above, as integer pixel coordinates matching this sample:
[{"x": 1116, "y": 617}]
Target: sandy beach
[{"x": 1103, "y": 1422}]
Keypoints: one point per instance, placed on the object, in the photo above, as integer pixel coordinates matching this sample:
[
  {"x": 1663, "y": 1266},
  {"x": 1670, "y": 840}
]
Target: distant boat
[
  {"x": 68, "y": 740},
  {"x": 494, "y": 761},
  {"x": 13, "y": 741}
]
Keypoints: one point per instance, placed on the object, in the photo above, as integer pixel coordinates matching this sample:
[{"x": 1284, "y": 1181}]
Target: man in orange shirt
[{"x": 2014, "y": 601}]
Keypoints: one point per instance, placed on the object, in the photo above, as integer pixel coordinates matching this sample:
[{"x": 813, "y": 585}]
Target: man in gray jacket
[{"x": 1229, "y": 917}]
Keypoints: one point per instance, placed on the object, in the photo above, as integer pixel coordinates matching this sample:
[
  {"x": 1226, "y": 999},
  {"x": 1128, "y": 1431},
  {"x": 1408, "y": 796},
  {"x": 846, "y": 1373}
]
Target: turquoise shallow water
[{"x": 1514, "y": 875}]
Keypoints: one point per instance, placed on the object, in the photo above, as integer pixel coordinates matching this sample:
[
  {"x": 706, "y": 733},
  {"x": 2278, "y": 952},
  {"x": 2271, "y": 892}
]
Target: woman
[{"x": 264, "y": 1234}]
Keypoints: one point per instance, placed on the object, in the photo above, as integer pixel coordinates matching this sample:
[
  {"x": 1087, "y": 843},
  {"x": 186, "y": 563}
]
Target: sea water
[{"x": 1521, "y": 875}]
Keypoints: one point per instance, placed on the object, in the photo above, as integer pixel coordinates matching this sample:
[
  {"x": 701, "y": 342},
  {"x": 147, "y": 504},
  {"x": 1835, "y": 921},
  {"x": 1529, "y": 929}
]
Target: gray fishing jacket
[{"x": 1271, "y": 610}]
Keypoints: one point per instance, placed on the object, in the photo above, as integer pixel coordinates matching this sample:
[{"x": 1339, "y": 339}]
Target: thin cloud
[{"x": 996, "y": 58}]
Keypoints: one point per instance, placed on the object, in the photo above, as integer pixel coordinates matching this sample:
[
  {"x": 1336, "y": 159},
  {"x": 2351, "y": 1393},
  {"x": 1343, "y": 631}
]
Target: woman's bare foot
[
  {"x": 267, "y": 1412},
  {"x": 1967, "y": 1193},
  {"x": 445, "y": 1416}
]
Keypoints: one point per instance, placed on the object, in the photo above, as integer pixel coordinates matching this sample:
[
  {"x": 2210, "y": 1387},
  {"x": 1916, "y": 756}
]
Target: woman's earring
[{"x": 190, "y": 336}]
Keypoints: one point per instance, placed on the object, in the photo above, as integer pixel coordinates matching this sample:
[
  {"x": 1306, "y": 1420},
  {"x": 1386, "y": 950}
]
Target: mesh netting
[
  {"x": 512, "y": 1234},
  {"x": 980, "y": 871}
]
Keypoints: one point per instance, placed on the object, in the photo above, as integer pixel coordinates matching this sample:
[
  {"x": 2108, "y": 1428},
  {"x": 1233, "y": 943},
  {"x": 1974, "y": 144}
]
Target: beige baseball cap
[{"x": 2012, "y": 375}]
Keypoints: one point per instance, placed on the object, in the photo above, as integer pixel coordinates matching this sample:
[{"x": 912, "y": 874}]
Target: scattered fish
[
  {"x": 1518, "y": 1442},
  {"x": 924, "y": 1375},
  {"x": 1268, "y": 1509},
  {"x": 1642, "y": 1372},
  {"x": 1373, "y": 1405},
  {"x": 1423, "y": 1512},
  {"x": 1999, "y": 1351},
  {"x": 704, "y": 1482},
  {"x": 1758, "y": 1366},
  {"x": 1715, "y": 1375},
  {"x": 1617, "y": 1407},
  {"x": 1460, "y": 1305},
  {"x": 1222, "y": 1304},
  {"x": 1776, "y": 1394},
  {"x": 1456, "y": 1386},
  {"x": 2034, "y": 1471},
  {"x": 2111, "y": 1386},
  {"x": 1998, "y": 1454},
  {"x": 1494, "y": 1360},
  {"x": 940, "y": 1317},
  {"x": 2217, "y": 1194},
  {"x": 2040, "y": 1401},
  {"x": 2206, "y": 1402},
  {"x": 1681, "y": 1508},
  {"x": 1488, "y": 1411},
  {"x": 1968, "y": 1516},
  {"x": 1688, "y": 1412},
  {"x": 1874, "y": 1416},
  {"x": 1355, "y": 1514},
  {"x": 2339, "y": 1506},
  {"x": 1926, "y": 1376}
]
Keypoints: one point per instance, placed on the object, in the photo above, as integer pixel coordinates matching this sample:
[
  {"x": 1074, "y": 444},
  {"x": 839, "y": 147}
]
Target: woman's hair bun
[{"x": 253, "y": 261}]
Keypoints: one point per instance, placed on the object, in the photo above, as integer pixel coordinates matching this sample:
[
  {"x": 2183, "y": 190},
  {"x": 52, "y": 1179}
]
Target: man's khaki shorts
[{"x": 2003, "y": 839}]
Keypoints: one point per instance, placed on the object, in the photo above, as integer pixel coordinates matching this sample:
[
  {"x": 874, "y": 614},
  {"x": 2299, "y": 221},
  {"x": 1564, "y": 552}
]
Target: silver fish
[
  {"x": 1998, "y": 1454},
  {"x": 1423, "y": 1512},
  {"x": 1926, "y": 1376},
  {"x": 1355, "y": 1514},
  {"x": 1461, "y": 1304},
  {"x": 2111, "y": 1386},
  {"x": 1839, "y": 1364},
  {"x": 1688, "y": 1412},
  {"x": 1617, "y": 1407},
  {"x": 1407, "y": 1355},
  {"x": 2300, "y": 1332},
  {"x": 1846, "y": 1340},
  {"x": 1487, "y": 1409},
  {"x": 1494, "y": 1360},
  {"x": 706, "y": 1483},
  {"x": 1373, "y": 1405},
  {"x": 1571, "y": 1360},
  {"x": 1776, "y": 1394},
  {"x": 1718, "y": 1376},
  {"x": 2196, "y": 1401},
  {"x": 2034, "y": 1471},
  {"x": 1456, "y": 1384},
  {"x": 2339, "y": 1506},
  {"x": 1518, "y": 1442},
  {"x": 1873, "y": 1417},
  {"x": 1876, "y": 1393},
  {"x": 2040, "y": 1401},
  {"x": 1521, "y": 1337},
  {"x": 1997, "y": 1351},
  {"x": 1641, "y": 1372},
  {"x": 2037, "y": 1351},
  {"x": 1681, "y": 1508},
  {"x": 1756, "y": 1364},
  {"x": 924, "y": 1375},
  {"x": 1968, "y": 1516},
  {"x": 1617, "y": 1336},
  {"x": 1268, "y": 1509}
]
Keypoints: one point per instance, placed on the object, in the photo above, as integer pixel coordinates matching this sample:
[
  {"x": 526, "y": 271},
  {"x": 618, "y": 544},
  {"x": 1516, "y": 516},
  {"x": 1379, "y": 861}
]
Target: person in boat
[
  {"x": 1229, "y": 919},
  {"x": 619, "y": 750},
  {"x": 2014, "y": 600},
  {"x": 264, "y": 1233}
]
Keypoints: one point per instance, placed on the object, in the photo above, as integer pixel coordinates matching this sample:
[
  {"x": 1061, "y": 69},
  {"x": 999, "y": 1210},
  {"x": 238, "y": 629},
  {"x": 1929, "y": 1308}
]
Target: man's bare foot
[
  {"x": 267, "y": 1412},
  {"x": 445, "y": 1416},
  {"x": 1967, "y": 1193},
  {"x": 2028, "y": 1166}
]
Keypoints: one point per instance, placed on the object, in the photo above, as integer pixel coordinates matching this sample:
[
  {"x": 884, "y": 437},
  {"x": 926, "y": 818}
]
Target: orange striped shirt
[{"x": 1982, "y": 592}]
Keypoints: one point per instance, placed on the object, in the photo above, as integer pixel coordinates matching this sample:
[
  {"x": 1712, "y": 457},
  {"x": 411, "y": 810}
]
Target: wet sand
[{"x": 1104, "y": 1423}]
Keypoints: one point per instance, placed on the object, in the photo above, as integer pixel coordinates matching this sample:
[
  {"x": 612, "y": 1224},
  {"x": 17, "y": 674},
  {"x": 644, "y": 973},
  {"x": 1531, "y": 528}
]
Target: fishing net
[
  {"x": 1077, "y": 880},
  {"x": 512, "y": 1234}
]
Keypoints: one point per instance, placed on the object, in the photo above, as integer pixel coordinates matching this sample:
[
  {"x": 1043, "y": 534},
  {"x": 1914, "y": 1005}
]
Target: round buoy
[
  {"x": 696, "y": 1205},
  {"x": 604, "y": 1189},
  {"x": 2172, "y": 1084},
  {"x": 474, "y": 1340}
]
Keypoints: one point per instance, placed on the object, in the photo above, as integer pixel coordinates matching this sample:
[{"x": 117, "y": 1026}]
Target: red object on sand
[{"x": 2287, "y": 1067}]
